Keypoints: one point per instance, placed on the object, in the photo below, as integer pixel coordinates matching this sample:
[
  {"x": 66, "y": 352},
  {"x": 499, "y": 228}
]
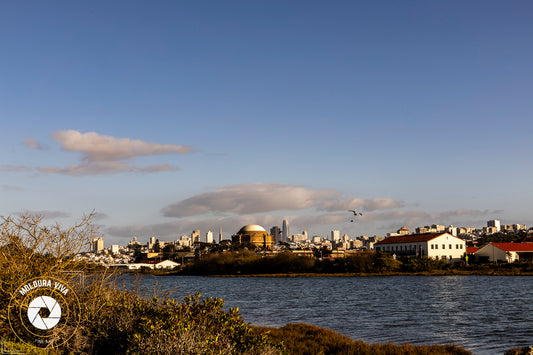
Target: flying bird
[{"x": 355, "y": 213}]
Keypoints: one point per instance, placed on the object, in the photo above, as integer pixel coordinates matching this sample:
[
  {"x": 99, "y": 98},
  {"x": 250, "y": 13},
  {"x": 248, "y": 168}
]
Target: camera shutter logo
[
  {"x": 44, "y": 312},
  {"x": 44, "y": 302}
]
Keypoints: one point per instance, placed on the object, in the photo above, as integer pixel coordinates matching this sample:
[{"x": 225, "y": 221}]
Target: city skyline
[{"x": 170, "y": 117}]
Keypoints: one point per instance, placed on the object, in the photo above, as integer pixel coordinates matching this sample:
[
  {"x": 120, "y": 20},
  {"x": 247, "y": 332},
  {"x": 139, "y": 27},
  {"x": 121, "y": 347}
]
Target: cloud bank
[
  {"x": 267, "y": 204},
  {"x": 268, "y": 197},
  {"x": 101, "y": 154},
  {"x": 98, "y": 148}
]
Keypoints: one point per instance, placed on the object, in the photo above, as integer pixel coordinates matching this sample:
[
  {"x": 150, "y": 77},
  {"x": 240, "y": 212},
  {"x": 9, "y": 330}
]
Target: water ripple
[{"x": 484, "y": 314}]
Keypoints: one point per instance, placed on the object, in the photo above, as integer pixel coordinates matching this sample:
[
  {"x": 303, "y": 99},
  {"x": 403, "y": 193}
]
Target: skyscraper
[
  {"x": 220, "y": 234},
  {"x": 276, "y": 233},
  {"x": 285, "y": 231},
  {"x": 209, "y": 237},
  {"x": 195, "y": 236},
  {"x": 97, "y": 245},
  {"x": 335, "y": 235}
]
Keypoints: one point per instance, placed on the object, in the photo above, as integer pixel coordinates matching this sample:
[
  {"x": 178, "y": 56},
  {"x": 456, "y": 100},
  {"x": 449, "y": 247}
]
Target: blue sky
[{"x": 169, "y": 116}]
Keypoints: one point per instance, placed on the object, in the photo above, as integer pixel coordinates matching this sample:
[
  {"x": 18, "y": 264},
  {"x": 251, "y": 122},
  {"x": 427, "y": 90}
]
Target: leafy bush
[{"x": 128, "y": 323}]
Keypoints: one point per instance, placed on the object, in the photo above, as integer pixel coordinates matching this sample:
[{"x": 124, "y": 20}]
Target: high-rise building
[
  {"x": 209, "y": 237},
  {"x": 285, "y": 230},
  {"x": 335, "y": 235},
  {"x": 494, "y": 223},
  {"x": 276, "y": 233},
  {"x": 220, "y": 234},
  {"x": 97, "y": 245},
  {"x": 195, "y": 236}
]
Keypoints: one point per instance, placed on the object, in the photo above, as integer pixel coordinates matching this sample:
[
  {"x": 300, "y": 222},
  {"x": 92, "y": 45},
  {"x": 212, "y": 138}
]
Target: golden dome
[{"x": 251, "y": 228}]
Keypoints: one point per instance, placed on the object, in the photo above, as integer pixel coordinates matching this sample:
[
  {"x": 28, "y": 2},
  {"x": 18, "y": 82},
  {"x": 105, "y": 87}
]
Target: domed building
[{"x": 254, "y": 234}]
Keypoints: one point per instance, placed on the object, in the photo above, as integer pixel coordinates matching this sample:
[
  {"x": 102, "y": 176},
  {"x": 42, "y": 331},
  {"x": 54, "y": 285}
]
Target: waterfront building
[
  {"x": 432, "y": 245},
  {"x": 254, "y": 234},
  {"x": 506, "y": 252},
  {"x": 151, "y": 264}
]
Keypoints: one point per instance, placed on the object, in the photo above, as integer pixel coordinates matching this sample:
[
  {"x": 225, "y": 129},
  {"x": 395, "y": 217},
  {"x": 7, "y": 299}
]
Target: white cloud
[
  {"x": 104, "y": 154},
  {"x": 248, "y": 199},
  {"x": 268, "y": 197},
  {"x": 97, "y": 147}
]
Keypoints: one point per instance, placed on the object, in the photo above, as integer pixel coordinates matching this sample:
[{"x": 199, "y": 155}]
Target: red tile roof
[
  {"x": 412, "y": 238},
  {"x": 514, "y": 246},
  {"x": 471, "y": 250}
]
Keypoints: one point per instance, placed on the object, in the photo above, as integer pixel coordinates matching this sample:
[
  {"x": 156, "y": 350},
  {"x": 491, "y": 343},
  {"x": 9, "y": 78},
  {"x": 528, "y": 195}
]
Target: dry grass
[{"x": 306, "y": 339}]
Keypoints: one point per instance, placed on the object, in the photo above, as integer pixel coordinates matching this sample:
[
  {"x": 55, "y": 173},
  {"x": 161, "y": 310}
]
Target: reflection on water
[{"x": 484, "y": 314}]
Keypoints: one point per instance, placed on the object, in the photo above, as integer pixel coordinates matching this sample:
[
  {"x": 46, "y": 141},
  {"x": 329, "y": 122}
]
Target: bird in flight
[{"x": 355, "y": 213}]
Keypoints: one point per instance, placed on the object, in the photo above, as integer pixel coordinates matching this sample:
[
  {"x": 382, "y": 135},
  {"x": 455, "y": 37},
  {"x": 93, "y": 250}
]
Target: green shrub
[{"x": 128, "y": 323}]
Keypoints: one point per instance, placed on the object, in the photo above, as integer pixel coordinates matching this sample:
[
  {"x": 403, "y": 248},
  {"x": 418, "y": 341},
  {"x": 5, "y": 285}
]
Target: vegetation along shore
[{"x": 110, "y": 319}]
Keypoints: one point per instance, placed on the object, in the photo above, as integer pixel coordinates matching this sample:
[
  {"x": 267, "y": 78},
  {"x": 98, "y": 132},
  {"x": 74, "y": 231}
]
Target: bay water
[{"x": 484, "y": 314}]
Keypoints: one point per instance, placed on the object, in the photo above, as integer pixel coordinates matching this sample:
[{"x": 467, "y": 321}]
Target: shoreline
[{"x": 489, "y": 272}]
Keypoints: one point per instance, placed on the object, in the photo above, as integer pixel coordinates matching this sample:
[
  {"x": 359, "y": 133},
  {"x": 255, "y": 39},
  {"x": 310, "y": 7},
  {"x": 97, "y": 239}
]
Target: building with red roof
[
  {"x": 432, "y": 245},
  {"x": 506, "y": 252}
]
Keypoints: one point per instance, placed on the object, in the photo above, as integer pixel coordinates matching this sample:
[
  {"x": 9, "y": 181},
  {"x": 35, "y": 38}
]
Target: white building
[
  {"x": 97, "y": 245},
  {"x": 494, "y": 223},
  {"x": 209, "y": 237},
  {"x": 184, "y": 241},
  {"x": 335, "y": 235},
  {"x": 115, "y": 249},
  {"x": 432, "y": 245},
  {"x": 165, "y": 264}
]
